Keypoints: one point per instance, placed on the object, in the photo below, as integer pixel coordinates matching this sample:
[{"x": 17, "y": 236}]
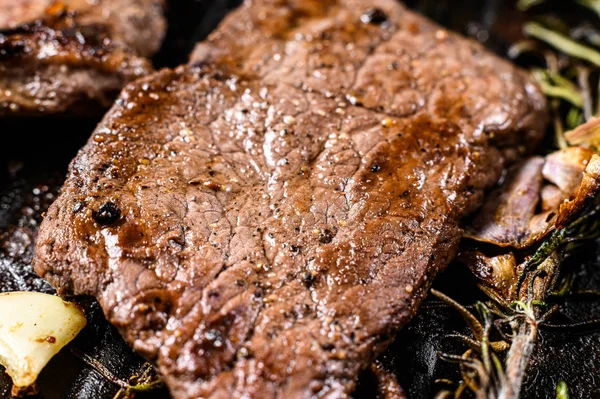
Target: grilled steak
[
  {"x": 73, "y": 55},
  {"x": 262, "y": 221}
]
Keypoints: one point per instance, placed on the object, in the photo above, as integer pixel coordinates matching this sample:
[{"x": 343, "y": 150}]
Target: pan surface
[{"x": 34, "y": 155}]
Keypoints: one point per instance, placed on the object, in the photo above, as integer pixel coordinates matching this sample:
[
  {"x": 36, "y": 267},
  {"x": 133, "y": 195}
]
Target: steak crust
[
  {"x": 261, "y": 222},
  {"x": 73, "y": 56}
]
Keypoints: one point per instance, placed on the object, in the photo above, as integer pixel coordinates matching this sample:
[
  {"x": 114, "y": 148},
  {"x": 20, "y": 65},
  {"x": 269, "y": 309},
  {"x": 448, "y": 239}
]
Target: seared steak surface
[
  {"x": 262, "y": 221},
  {"x": 73, "y": 55}
]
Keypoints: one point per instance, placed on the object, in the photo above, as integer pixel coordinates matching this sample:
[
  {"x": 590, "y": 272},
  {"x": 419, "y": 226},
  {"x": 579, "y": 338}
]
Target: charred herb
[
  {"x": 505, "y": 328},
  {"x": 144, "y": 381}
]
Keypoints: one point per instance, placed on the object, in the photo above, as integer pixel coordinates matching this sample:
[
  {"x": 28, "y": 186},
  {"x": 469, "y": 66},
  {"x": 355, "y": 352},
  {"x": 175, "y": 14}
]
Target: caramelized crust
[
  {"x": 73, "y": 56},
  {"x": 261, "y": 222}
]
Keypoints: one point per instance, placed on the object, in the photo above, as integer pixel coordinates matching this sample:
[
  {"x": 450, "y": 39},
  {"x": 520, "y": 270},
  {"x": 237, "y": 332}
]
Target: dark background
[{"x": 35, "y": 153}]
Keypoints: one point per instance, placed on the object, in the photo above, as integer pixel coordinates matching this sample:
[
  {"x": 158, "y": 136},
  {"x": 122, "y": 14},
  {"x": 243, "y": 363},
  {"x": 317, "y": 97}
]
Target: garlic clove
[{"x": 33, "y": 328}]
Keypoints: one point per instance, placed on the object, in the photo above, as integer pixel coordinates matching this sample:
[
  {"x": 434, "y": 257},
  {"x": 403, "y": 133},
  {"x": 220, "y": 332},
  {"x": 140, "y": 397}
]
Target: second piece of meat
[{"x": 73, "y": 56}]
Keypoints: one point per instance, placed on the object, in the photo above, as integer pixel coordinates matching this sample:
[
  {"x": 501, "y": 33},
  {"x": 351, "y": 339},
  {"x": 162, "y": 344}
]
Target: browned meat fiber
[
  {"x": 73, "y": 56},
  {"x": 261, "y": 222}
]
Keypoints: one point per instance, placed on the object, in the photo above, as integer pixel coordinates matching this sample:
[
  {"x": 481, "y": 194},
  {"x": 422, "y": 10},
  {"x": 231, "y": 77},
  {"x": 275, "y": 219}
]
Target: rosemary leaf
[
  {"x": 561, "y": 91},
  {"x": 562, "y": 43},
  {"x": 593, "y": 5},
  {"x": 525, "y": 5},
  {"x": 562, "y": 390},
  {"x": 524, "y": 46},
  {"x": 574, "y": 118},
  {"x": 471, "y": 320}
]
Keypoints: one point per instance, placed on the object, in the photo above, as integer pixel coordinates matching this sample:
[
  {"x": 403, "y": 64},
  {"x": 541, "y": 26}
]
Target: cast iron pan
[{"x": 34, "y": 155}]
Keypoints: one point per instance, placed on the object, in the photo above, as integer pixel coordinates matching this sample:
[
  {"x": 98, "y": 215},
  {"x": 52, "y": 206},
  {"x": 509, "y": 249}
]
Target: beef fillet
[
  {"x": 261, "y": 222},
  {"x": 73, "y": 56}
]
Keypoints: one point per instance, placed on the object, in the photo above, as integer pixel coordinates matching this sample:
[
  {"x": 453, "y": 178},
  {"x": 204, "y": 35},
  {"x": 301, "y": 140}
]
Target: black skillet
[{"x": 34, "y": 155}]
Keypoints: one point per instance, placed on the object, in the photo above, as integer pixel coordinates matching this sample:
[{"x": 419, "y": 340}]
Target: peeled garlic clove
[{"x": 33, "y": 328}]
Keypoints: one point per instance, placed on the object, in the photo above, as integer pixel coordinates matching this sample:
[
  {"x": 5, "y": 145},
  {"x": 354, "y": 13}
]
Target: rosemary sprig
[
  {"x": 525, "y": 317},
  {"x": 570, "y": 81},
  {"x": 562, "y": 43}
]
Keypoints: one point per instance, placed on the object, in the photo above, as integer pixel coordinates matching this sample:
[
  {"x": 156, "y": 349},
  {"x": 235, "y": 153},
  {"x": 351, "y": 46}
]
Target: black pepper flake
[
  {"x": 308, "y": 279},
  {"x": 294, "y": 248},
  {"x": 326, "y": 236},
  {"x": 375, "y": 168},
  {"x": 374, "y": 16},
  {"x": 107, "y": 214}
]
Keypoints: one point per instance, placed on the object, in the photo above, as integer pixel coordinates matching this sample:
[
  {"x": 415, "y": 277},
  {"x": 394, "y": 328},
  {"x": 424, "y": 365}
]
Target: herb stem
[
  {"x": 598, "y": 100},
  {"x": 583, "y": 76},
  {"x": 559, "y": 129},
  {"x": 517, "y": 360}
]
